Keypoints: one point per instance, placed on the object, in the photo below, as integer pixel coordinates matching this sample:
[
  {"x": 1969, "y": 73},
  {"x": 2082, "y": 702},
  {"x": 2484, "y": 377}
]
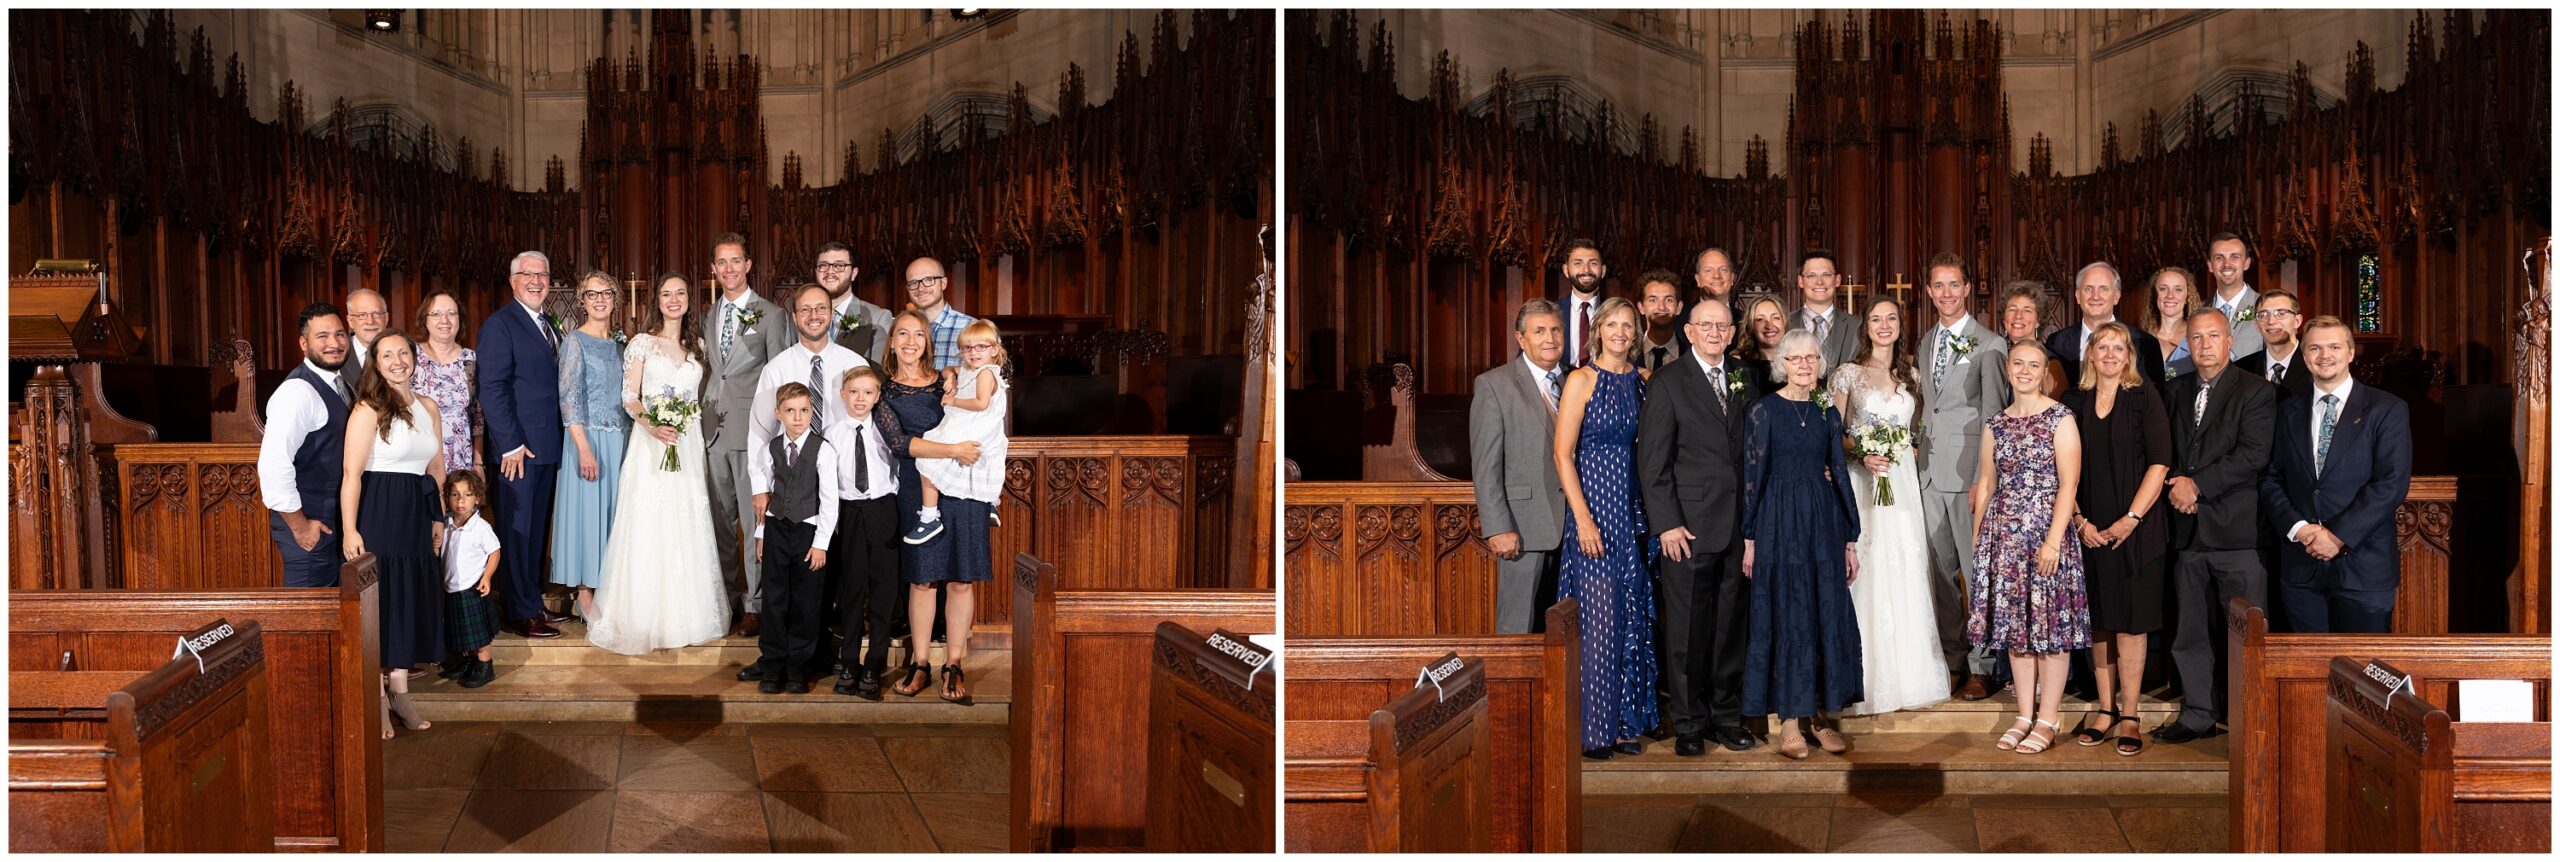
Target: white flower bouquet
[
  {"x": 666, "y": 409},
  {"x": 1882, "y": 438}
]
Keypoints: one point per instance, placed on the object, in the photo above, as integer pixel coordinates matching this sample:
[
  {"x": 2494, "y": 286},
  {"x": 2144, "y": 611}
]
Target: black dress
[{"x": 2128, "y": 585}]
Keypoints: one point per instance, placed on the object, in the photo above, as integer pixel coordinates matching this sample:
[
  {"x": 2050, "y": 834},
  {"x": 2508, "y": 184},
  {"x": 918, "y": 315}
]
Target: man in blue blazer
[
  {"x": 2339, "y": 472},
  {"x": 520, "y": 398}
]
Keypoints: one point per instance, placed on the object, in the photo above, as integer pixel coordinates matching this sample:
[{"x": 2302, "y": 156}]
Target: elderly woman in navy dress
[
  {"x": 1800, "y": 550},
  {"x": 1607, "y": 567}
]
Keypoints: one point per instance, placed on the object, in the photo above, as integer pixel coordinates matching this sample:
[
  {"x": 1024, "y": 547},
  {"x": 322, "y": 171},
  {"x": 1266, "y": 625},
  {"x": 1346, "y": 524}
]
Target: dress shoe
[
  {"x": 750, "y": 625},
  {"x": 1690, "y": 746},
  {"x": 752, "y": 672},
  {"x": 1629, "y": 748},
  {"x": 539, "y": 629},
  {"x": 769, "y": 686},
  {"x": 2175, "y": 733},
  {"x": 1735, "y": 739},
  {"x": 1974, "y": 688},
  {"x": 796, "y": 685},
  {"x": 455, "y": 667},
  {"x": 1597, "y": 753},
  {"x": 481, "y": 672},
  {"x": 550, "y": 616}
]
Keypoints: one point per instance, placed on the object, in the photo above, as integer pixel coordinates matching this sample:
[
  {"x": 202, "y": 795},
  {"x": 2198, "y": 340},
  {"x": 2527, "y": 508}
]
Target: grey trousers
[
  {"x": 1949, "y": 519},
  {"x": 2206, "y": 581},
  {"x": 733, "y": 520},
  {"x": 1515, "y": 604}
]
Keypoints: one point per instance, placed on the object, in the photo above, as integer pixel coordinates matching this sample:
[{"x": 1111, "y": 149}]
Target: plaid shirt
[{"x": 946, "y": 337}]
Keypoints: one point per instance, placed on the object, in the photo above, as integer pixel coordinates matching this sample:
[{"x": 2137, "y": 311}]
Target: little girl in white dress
[{"x": 973, "y": 406}]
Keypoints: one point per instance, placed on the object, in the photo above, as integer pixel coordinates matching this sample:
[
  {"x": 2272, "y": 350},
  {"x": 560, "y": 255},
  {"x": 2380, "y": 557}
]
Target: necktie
[
  {"x": 1656, "y": 362},
  {"x": 791, "y": 458},
  {"x": 817, "y": 384},
  {"x": 549, "y": 334},
  {"x": 346, "y": 394},
  {"x": 2328, "y": 425},
  {"x": 1938, "y": 363},
  {"x": 1555, "y": 387},
  {"x": 861, "y": 462},
  {"x": 1581, "y": 335},
  {"x": 1821, "y": 327},
  {"x": 2204, "y": 393},
  {"x": 2276, "y": 374},
  {"x": 728, "y": 327},
  {"x": 1715, "y": 381}
]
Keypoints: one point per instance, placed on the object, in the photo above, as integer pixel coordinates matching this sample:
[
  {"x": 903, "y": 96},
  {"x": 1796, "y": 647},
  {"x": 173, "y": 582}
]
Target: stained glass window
[{"x": 2368, "y": 295}]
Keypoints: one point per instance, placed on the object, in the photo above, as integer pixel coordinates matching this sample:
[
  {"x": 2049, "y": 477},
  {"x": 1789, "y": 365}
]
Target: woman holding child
[{"x": 912, "y": 404}]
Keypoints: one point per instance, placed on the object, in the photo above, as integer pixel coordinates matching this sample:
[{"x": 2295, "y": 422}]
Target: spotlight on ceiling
[
  {"x": 966, "y": 14},
  {"x": 382, "y": 20}
]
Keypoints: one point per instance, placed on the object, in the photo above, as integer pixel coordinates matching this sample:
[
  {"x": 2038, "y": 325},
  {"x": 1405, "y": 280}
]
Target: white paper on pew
[{"x": 2497, "y": 700}]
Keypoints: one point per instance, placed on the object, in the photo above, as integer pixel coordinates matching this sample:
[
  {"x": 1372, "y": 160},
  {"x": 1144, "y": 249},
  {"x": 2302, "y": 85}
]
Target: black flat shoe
[
  {"x": 1597, "y": 753},
  {"x": 769, "y": 686},
  {"x": 752, "y": 672},
  {"x": 796, "y": 686},
  {"x": 1690, "y": 746},
  {"x": 2130, "y": 744},
  {"x": 1630, "y": 748},
  {"x": 480, "y": 673},
  {"x": 1738, "y": 739},
  {"x": 456, "y": 668}
]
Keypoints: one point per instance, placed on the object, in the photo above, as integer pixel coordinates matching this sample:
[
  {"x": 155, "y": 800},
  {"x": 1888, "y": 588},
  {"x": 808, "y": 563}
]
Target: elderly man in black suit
[
  {"x": 2219, "y": 424},
  {"x": 1688, "y": 459},
  {"x": 2341, "y": 470}
]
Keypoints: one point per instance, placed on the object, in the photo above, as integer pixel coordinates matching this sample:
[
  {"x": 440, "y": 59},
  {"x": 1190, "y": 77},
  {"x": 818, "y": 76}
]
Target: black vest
[
  {"x": 794, "y": 496},
  {"x": 319, "y": 465}
]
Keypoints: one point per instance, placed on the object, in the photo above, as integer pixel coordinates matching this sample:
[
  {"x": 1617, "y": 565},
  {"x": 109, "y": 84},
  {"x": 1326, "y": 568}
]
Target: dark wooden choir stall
[
  {"x": 1420, "y": 220},
  {"x": 2407, "y": 778}
]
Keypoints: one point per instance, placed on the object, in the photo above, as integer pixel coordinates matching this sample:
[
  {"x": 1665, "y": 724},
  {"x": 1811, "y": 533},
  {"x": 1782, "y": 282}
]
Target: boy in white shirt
[
  {"x": 470, "y": 561},
  {"x": 865, "y": 582}
]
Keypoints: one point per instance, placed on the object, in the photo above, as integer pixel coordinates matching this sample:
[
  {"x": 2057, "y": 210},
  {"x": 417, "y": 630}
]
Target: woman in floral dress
[
  {"x": 444, "y": 376},
  {"x": 2032, "y": 595}
]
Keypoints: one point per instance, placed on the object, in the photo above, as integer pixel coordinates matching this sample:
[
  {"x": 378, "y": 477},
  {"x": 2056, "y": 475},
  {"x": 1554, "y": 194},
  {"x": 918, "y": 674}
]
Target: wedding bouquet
[
  {"x": 1881, "y": 438},
  {"x": 666, "y": 409}
]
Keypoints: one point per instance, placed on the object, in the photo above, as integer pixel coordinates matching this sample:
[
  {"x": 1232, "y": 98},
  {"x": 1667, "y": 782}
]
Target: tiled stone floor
[
  {"x": 597, "y": 787},
  {"x": 1909, "y": 823}
]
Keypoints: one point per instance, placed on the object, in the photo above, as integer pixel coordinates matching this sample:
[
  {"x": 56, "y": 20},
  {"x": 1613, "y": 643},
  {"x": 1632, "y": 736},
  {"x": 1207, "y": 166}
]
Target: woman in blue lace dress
[
  {"x": 1800, "y": 550},
  {"x": 1606, "y": 568}
]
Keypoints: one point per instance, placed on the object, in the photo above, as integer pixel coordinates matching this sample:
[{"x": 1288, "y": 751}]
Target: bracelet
[{"x": 2136, "y": 518}]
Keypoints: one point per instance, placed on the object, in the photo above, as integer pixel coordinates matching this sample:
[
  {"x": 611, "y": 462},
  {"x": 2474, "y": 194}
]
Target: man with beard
[
  {"x": 2279, "y": 319},
  {"x": 2227, "y": 258},
  {"x": 1661, "y": 310},
  {"x": 1583, "y": 271},
  {"x": 301, "y": 457},
  {"x": 860, "y": 326},
  {"x": 367, "y": 316}
]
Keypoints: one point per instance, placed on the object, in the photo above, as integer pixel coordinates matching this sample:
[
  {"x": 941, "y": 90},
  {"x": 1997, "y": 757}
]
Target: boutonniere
[
  {"x": 749, "y": 316},
  {"x": 1822, "y": 398},
  {"x": 2248, "y": 314},
  {"x": 1960, "y": 345},
  {"x": 1732, "y": 385},
  {"x": 848, "y": 323},
  {"x": 621, "y": 340},
  {"x": 557, "y": 324}
]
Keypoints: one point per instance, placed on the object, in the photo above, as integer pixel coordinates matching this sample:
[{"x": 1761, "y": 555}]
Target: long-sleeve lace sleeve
[
  {"x": 892, "y": 434},
  {"x": 573, "y": 378},
  {"x": 1755, "y": 465},
  {"x": 635, "y": 362}
]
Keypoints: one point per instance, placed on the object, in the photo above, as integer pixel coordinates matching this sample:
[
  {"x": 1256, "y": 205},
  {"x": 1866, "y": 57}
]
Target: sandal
[
  {"x": 2089, "y": 735},
  {"x": 2130, "y": 744},
  {"x": 918, "y": 676},
  {"x": 955, "y": 685},
  {"x": 2017, "y": 731},
  {"x": 2041, "y": 742}
]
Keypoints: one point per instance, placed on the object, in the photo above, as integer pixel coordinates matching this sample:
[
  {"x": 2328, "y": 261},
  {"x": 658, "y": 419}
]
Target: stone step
[
  {"x": 1990, "y": 715},
  {"x": 568, "y": 679},
  {"x": 1920, "y": 762}
]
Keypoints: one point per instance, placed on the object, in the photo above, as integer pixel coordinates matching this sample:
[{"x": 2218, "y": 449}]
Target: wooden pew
[
  {"x": 322, "y": 647},
  {"x": 1429, "y": 774},
  {"x": 170, "y": 761},
  {"x": 2279, "y": 733},
  {"x": 2404, "y": 777},
  {"x": 1210, "y": 739},
  {"x": 1080, "y": 663},
  {"x": 1533, "y": 698}
]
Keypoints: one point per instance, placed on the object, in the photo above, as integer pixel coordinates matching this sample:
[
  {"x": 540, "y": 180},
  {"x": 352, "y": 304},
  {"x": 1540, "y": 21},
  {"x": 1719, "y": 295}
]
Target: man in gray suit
[
  {"x": 2227, "y": 259},
  {"x": 745, "y": 330},
  {"x": 860, "y": 326},
  {"x": 1818, "y": 276},
  {"x": 1511, "y": 427},
  {"x": 1962, "y": 380}
]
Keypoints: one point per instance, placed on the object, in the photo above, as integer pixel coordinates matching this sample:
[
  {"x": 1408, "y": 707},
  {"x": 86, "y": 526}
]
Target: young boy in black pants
[
  {"x": 794, "y": 480},
  {"x": 866, "y": 538}
]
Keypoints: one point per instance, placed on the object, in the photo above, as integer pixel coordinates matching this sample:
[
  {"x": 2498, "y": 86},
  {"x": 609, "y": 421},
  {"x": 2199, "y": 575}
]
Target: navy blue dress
[
  {"x": 1804, "y": 652},
  {"x": 1615, "y": 592},
  {"x": 963, "y": 550}
]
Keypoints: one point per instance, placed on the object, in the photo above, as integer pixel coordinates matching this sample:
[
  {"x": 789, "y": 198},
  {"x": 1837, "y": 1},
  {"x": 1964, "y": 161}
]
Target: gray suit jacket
[
  {"x": 1977, "y": 385},
  {"x": 2245, "y": 337},
  {"x": 1842, "y": 340},
  {"x": 1513, "y": 438},
  {"x": 870, "y": 330},
  {"x": 733, "y": 376}
]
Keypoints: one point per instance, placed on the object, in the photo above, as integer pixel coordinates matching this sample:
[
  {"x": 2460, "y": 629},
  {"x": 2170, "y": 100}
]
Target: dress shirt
[
  {"x": 2230, "y": 307},
  {"x": 1538, "y": 380},
  {"x": 1648, "y": 360},
  {"x": 841, "y": 434},
  {"x": 1713, "y": 369},
  {"x": 792, "y": 366},
  {"x": 2089, "y": 330},
  {"x": 293, "y": 412},
  {"x": 2287, "y": 363},
  {"x": 1575, "y": 336},
  {"x": 358, "y": 353},
  {"x": 760, "y": 481},
  {"x": 2346, "y": 386}
]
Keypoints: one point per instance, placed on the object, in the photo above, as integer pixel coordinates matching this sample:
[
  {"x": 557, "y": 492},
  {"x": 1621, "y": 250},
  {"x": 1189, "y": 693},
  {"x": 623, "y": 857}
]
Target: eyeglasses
[
  {"x": 533, "y": 274},
  {"x": 1714, "y": 327},
  {"x": 920, "y": 282},
  {"x": 592, "y": 294},
  {"x": 370, "y": 315},
  {"x": 831, "y": 265},
  {"x": 2279, "y": 312},
  {"x": 447, "y": 314},
  {"x": 1800, "y": 358},
  {"x": 969, "y": 347}
]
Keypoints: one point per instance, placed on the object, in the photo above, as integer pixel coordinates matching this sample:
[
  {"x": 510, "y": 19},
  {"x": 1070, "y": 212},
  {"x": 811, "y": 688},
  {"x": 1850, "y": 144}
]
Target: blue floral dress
[
  {"x": 2014, "y": 608},
  {"x": 1805, "y": 653},
  {"x": 1614, "y": 592}
]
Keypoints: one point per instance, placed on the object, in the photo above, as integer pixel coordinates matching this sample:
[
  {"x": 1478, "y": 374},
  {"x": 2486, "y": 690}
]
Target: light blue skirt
[{"x": 582, "y": 511}]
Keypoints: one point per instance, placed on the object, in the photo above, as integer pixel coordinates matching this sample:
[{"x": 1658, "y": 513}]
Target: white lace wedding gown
[
  {"x": 661, "y": 578},
  {"x": 1897, "y": 619}
]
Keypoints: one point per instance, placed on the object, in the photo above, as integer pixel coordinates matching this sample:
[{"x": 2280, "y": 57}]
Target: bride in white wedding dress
[
  {"x": 661, "y": 580},
  {"x": 1897, "y": 620}
]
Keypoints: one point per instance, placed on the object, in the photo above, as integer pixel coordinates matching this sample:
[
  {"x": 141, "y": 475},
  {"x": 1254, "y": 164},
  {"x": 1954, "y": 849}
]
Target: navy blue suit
[
  {"x": 520, "y": 399},
  {"x": 2356, "y": 495}
]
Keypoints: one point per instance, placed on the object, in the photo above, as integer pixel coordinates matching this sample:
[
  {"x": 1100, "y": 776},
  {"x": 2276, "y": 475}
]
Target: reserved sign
[{"x": 1438, "y": 671}]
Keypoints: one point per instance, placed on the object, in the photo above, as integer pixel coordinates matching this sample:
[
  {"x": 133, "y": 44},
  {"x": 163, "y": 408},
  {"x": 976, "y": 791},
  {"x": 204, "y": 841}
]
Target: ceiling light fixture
[{"x": 382, "y": 20}]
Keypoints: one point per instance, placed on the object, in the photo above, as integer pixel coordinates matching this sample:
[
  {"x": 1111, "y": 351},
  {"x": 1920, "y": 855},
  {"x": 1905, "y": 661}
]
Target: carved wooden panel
[
  {"x": 1411, "y": 562},
  {"x": 2424, "y": 525},
  {"x": 192, "y": 517}
]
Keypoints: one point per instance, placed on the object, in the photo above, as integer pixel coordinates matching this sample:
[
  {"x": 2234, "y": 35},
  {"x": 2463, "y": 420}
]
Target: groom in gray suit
[
  {"x": 745, "y": 330},
  {"x": 1511, "y": 428},
  {"x": 1962, "y": 380}
]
